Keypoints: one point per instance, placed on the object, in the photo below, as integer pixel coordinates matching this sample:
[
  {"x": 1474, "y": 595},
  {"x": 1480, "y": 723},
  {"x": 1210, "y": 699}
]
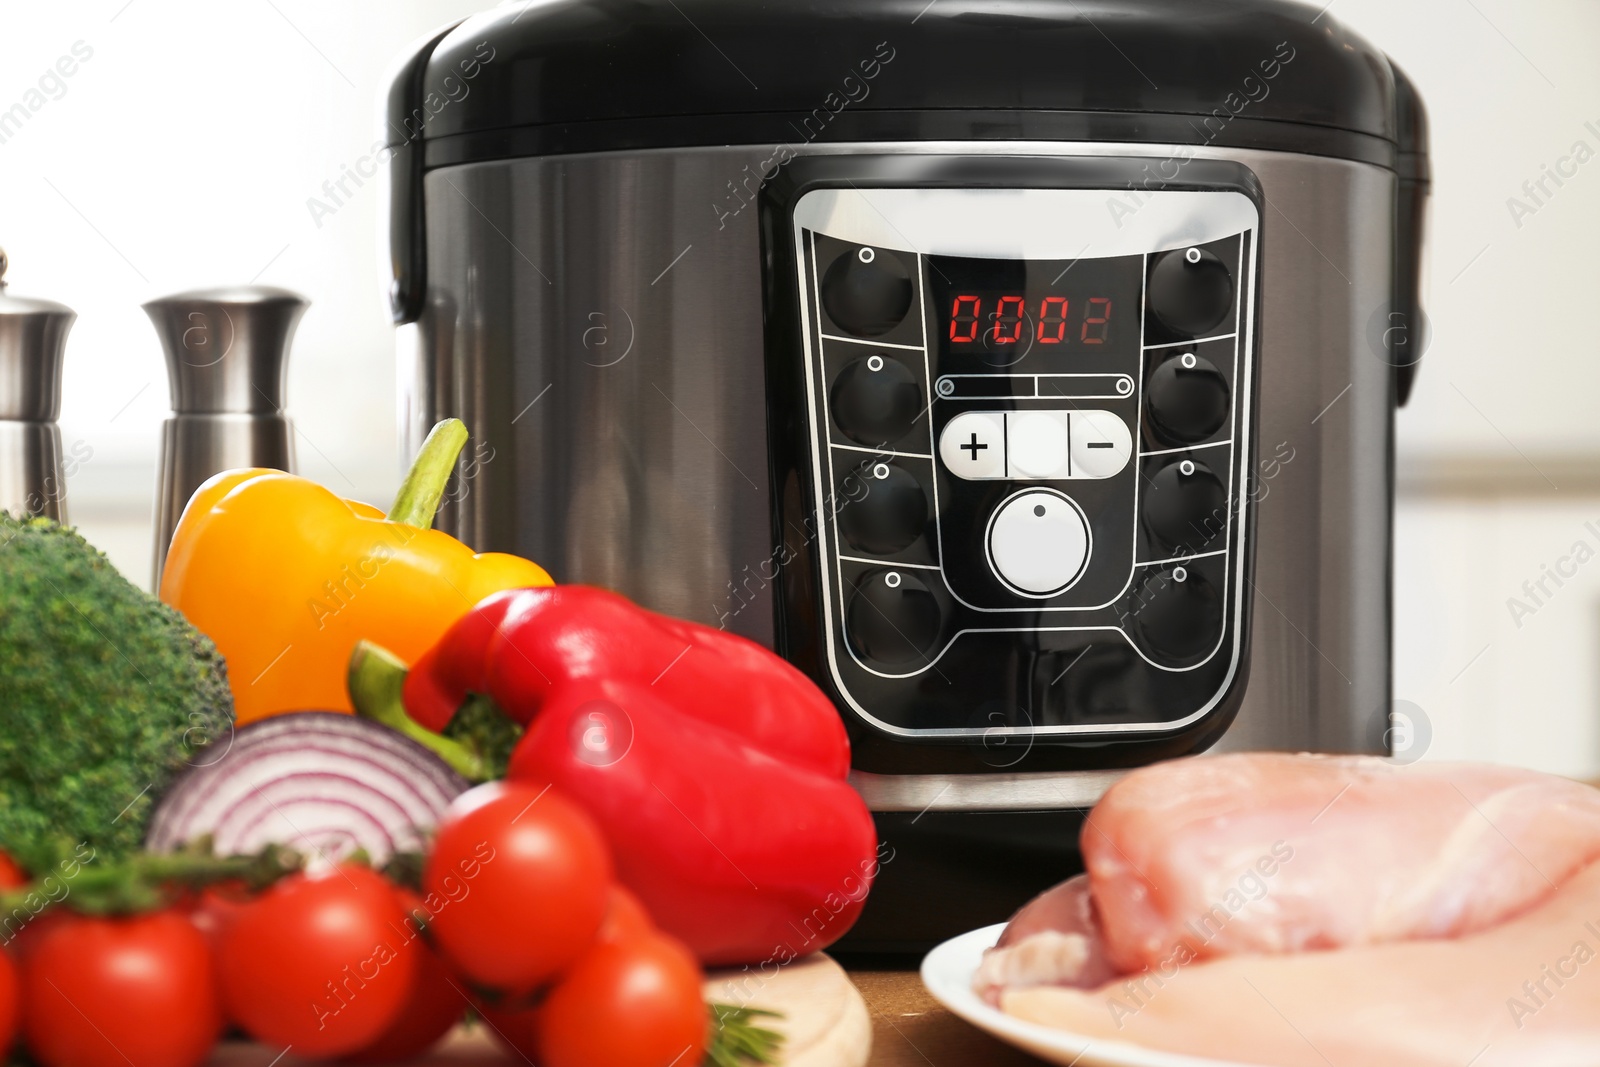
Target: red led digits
[
  {"x": 1010, "y": 315},
  {"x": 960, "y": 318},
  {"x": 1095, "y": 327},
  {"x": 1008, "y": 323},
  {"x": 1053, "y": 320}
]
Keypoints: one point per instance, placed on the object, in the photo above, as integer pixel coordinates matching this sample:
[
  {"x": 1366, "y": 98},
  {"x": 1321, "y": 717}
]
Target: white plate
[{"x": 947, "y": 972}]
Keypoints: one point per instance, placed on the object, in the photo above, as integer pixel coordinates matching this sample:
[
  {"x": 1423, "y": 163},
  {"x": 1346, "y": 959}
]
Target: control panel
[{"x": 1029, "y": 421}]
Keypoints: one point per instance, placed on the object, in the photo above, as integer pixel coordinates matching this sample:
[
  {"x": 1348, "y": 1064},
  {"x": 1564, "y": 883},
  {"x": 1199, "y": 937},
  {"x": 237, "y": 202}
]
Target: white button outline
[
  {"x": 1088, "y": 542},
  {"x": 1009, "y": 467}
]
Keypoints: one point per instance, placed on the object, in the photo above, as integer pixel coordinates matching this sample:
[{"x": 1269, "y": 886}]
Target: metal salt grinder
[
  {"x": 227, "y": 360},
  {"x": 33, "y": 335}
]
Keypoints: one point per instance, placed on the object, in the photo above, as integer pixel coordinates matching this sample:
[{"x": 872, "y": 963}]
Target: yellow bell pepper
[{"x": 285, "y": 577}]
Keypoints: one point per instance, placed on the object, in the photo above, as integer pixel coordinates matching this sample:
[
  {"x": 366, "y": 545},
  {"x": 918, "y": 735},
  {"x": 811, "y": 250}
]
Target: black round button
[
  {"x": 1191, "y": 291},
  {"x": 867, "y": 291},
  {"x": 892, "y": 512},
  {"x": 1186, "y": 505},
  {"x": 1178, "y": 613},
  {"x": 893, "y": 618},
  {"x": 876, "y": 399},
  {"x": 1187, "y": 398}
]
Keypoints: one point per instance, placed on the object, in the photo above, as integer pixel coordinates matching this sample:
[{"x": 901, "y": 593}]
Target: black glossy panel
[{"x": 947, "y": 670}]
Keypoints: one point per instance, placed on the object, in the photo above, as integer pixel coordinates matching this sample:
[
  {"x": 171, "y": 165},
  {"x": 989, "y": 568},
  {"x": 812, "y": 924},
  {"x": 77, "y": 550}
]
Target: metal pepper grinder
[
  {"x": 227, "y": 359},
  {"x": 33, "y": 336}
]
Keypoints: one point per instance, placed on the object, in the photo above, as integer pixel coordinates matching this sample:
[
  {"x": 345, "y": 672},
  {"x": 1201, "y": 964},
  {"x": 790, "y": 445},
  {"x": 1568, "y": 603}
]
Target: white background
[{"x": 183, "y": 154}]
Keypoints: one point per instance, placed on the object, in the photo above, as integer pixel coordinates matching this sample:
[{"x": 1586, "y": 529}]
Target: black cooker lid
[
  {"x": 561, "y": 76},
  {"x": 586, "y": 75}
]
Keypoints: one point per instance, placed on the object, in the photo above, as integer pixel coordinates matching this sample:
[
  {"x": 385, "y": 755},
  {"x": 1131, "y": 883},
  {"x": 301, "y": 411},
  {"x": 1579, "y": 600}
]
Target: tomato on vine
[
  {"x": 517, "y": 884},
  {"x": 435, "y": 1004},
  {"x": 100, "y": 992},
  {"x": 630, "y": 1003},
  {"x": 10, "y": 1004},
  {"x": 316, "y": 962}
]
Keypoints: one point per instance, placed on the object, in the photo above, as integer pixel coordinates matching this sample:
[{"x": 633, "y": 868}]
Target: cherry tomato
[
  {"x": 625, "y": 917},
  {"x": 11, "y": 876},
  {"x": 436, "y": 1003},
  {"x": 21, "y": 936},
  {"x": 13, "y": 925},
  {"x": 633, "y": 1003},
  {"x": 517, "y": 1032},
  {"x": 214, "y": 908},
  {"x": 517, "y": 884},
  {"x": 10, "y": 1004},
  {"x": 108, "y": 992},
  {"x": 316, "y": 963}
]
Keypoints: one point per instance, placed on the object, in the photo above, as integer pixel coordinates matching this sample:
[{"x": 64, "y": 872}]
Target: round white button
[
  {"x": 1038, "y": 542},
  {"x": 1038, "y": 444}
]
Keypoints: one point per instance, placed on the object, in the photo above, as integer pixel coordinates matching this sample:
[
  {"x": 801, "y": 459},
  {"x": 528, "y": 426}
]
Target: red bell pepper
[{"x": 715, "y": 768}]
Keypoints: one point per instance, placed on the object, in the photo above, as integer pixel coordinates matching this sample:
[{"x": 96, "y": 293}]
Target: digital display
[
  {"x": 998, "y": 312},
  {"x": 1007, "y": 318}
]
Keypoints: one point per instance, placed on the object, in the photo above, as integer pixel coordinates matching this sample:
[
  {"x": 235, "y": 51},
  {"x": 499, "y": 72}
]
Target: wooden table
[{"x": 911, "y": 1029}]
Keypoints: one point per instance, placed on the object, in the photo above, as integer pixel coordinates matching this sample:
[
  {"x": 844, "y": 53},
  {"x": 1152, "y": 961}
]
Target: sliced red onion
[{"x": 319, "y": 782}]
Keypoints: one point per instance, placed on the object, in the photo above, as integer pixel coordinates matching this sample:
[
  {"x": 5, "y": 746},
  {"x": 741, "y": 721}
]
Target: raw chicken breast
[
  {"x": 1054, "y": 938},
  {"x": 1276, "y": 853},
  {"x": 1522, "y": 994}
]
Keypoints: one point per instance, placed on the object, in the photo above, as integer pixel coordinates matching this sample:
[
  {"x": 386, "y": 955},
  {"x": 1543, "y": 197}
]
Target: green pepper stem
[
  {"x": 418, "y": 499},
  {"x": 376, "y": 679}
]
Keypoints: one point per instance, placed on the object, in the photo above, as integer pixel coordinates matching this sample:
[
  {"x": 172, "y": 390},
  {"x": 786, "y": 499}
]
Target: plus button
[{"x": 972, "y": 445}]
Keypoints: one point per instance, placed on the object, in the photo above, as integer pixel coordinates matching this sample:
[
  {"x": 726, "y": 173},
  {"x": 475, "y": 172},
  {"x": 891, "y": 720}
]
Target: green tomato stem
[
  {"x": 141, "y": 882},
  {"x": 418, "y": 499}
]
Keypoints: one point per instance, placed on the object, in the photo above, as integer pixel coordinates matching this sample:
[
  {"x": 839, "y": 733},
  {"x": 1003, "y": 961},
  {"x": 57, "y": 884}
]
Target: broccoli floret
[
  {"x": 486, "y": 730},
  {"x": 105, "y": 694}
]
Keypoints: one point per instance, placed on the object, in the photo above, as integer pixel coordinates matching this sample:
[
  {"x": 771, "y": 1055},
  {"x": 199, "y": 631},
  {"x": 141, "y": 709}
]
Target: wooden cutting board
[{"x": 825, "y": 1021}]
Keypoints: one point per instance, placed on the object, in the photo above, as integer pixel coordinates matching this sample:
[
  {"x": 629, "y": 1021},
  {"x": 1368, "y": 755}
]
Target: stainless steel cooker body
[{"x": 597, "y": 321}]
